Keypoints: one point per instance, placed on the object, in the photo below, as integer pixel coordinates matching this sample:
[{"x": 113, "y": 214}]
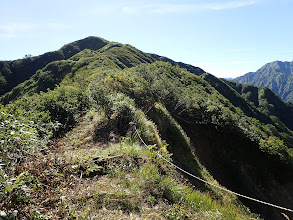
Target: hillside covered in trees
[
  {"x": 277, "y": 76},
  {"x": 91, "y": 130}
]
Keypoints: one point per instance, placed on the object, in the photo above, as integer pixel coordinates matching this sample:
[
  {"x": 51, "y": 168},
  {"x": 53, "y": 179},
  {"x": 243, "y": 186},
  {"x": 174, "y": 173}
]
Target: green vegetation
[
  {"x": 69, "y": 148},
  {"x": 277, "y": 76},
  {"x": 266, "y": 105},
  {"x": 14, "y": 72}
]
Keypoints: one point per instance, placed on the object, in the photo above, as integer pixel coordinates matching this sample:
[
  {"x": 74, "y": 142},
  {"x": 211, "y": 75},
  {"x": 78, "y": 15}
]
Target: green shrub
[{"x": 275, "y": 146}]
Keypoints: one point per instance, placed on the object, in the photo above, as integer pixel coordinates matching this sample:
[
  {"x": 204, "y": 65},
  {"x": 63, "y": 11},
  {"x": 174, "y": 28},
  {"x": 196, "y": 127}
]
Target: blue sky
[{"x": 227, "y": 38}]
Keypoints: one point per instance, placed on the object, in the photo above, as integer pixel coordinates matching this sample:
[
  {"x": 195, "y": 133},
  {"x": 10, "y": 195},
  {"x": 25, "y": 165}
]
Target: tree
[{"x": 27, "y": 56}]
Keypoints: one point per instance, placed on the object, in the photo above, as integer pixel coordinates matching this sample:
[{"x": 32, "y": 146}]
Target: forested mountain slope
[
  {"x": 277, "y": 76},
  {"x": 71, "y": 148},
  {"x": 14, "y": 72}
]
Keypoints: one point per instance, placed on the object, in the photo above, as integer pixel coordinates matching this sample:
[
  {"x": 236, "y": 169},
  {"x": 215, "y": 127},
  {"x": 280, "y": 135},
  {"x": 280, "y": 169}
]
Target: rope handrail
[{"x": 219, "y": 187}]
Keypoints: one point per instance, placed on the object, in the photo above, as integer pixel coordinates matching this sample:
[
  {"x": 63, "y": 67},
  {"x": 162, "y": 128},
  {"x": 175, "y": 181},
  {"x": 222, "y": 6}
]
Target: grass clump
[{"x": 153, "y": 183}]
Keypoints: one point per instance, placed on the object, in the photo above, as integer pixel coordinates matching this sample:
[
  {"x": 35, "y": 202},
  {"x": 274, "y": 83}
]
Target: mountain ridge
[
  {"x": 17, "y": 71},
  {"x": 14, "y": 72},
  {"x": 77, "y": 114},
  {"x": 277, "y": 76}
]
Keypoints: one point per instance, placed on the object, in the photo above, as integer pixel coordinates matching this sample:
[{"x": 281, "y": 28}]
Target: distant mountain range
[
  {"x": 277, "y": 76},
  {"x": 229, "y": 78}
]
